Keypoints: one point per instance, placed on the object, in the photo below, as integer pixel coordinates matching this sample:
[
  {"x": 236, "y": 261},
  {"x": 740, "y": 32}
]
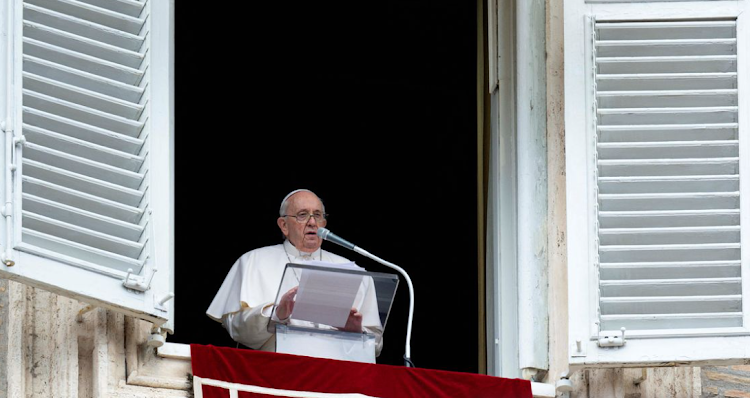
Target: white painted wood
[
  {"x": 744, "y": 85},
  {"x": 113, "y": 18},
  {"x": 93, "y": 184},
  {"x": 83, "y": 45},
  {"x": 87, "y": 98},
  {"x": 493, "y": 304},
  {"x": 502, "y": 273},
  {"x": 82, "y": 80},
  {"x": 83, "y": 149},
  {"x": 6, "y": 123},
  {"x": 83, "y": 114},
  {"x": 83, "y": 27},
  {"x": 493, "y": 57},
  {"x": 80, "y": 191},
  {"x": 87, "y": 132},
  {"x": 663, "y": 179},
  {"x": 86, "y": 63},
  {"x": 86, "y": 219},
  {"x": 162, "y": 168}
]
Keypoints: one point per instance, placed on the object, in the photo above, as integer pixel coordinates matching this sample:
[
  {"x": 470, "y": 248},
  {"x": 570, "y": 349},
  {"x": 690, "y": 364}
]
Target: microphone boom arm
[
  {"x": 329, "y": 236},
  {"x": 407, "y": 354}
]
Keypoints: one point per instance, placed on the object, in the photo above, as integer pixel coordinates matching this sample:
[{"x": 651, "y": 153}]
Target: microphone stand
[
  {"x": 329, "y": 236},
  {"x": 407, "y": 356}
]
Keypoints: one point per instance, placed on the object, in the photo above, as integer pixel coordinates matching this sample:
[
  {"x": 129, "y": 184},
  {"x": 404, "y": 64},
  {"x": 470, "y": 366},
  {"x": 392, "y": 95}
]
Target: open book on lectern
[{"x": 326, "y": 293}]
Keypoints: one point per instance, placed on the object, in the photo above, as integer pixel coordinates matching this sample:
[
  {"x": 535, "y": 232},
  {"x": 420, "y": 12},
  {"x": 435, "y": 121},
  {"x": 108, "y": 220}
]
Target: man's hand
[
  {"x": 354, "y": 322},
  {"x": 286, "y": 304}
]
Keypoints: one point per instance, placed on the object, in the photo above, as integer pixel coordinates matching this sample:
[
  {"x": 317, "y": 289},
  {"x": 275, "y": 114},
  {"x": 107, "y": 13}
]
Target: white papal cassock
[{"x": 244, "y": 303}]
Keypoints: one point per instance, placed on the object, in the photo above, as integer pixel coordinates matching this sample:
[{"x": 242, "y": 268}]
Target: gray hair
[{"x": 285, "y": 202}]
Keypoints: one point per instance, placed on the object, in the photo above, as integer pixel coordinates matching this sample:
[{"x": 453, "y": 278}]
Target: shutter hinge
[
  {"x": 612, "y": 338},
  {"x": 17, "y": 141},
  {"x": 136, "y": 283}
]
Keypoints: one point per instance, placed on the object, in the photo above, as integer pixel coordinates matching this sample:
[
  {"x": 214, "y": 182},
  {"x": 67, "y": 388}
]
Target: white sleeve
[
  {"x": 371, "y": 317},
  {"x": 249, "y": 326},
  {"x": 378, "y": 332}
]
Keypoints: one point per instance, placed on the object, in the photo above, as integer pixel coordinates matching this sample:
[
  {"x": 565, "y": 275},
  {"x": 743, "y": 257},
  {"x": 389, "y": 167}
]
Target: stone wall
[
  {"x": 52, "y": 346},
  {"x": 726, "y": 381}
]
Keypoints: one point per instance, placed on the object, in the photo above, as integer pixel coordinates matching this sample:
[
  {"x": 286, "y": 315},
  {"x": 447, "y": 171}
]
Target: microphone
[{"x": 331, "y": 237}]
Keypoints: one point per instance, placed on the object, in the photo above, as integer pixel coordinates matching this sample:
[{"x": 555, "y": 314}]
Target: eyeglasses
[{"x": 303, "y": 217}]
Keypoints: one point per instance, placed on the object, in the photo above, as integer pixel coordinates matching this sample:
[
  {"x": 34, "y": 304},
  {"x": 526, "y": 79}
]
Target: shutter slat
[
  {"x": 686, "y": 115},
  {"x": 671, "y": 304},
  {"x": 82, "y": 45},
  {"x": 83, "y": 28},
  {"x": 86, "y": 132},
  {"x": 666, "y": 81},
  {"x": 666, "y": 47},
  {"x": 665, "y": 236},
  {"x": 666, "y": 30},
  {"x": 82, "y": 114},
  {"x": 82, "y": 200},
  {"x": 669, "y": 149},
  {"x": 667, "y": 64},
  {"x": 83, "y": 149},
  {"x": 83, "y": 97},
  {"x": 670, "y": 253},
  {"x": 100, "y": 171},
  {"x": 90, "y": 12},
  {"x": 667, "y": 167},
  {"x": 82, "y": 235},
  {"x": 667, "y": 132},
  {"x": 53, "y": 246},
  {"x": 82, "y": 183},
  {"x": 82, "y": 62},
  {"x": 673, "y": 321},
  {"x": 132, "y": 8},
  {"x": 669, "y": 218},
  {"x": 671, "y": 287},
  {"x": 675, "y": 98},
  {"x": 669, "y": 201},
  {"x": 83, "y": 80},
  {"x": 82, "y": 218},
  {"x": 674, "y": 184},
  {"x": 664, "y": 270}
]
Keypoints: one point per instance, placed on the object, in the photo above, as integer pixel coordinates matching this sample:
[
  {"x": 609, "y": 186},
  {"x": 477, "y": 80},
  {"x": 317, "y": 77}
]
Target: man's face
[{"x": 303, "y": 235}]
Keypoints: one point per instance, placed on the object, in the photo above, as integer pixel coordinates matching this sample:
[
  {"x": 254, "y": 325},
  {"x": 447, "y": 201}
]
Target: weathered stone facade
[
  {"x": 52, "y": 346},
  {"x": 726, "y": 381}
]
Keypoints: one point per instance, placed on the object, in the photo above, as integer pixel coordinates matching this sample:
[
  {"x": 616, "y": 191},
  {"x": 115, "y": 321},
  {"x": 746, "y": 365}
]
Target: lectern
[{"x": 325, "y": 294}]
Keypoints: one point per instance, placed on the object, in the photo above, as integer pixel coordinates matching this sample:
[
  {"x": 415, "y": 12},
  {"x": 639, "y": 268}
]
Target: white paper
[
  {"x": 349, "y": 265},
  {"x": 326, "y": 297}
]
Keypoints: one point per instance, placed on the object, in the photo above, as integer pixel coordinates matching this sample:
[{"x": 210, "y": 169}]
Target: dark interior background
[{"x": 369, "y": 104}]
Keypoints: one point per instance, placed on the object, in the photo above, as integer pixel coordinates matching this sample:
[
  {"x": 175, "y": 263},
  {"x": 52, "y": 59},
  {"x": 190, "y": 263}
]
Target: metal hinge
[
  {"x": 612, "y": 338},
  {"x": 135, "y": 283}
]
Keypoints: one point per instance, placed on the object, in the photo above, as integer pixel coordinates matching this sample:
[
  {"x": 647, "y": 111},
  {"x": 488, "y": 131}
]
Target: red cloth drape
[{"x": 299, "y": 373}]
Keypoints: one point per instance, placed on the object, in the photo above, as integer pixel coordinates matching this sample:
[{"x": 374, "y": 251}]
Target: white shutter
[
  {"x": 668, "y": 204},
  {"x": 654, "y": 140},
  {"x": 91, "y": 169}
]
